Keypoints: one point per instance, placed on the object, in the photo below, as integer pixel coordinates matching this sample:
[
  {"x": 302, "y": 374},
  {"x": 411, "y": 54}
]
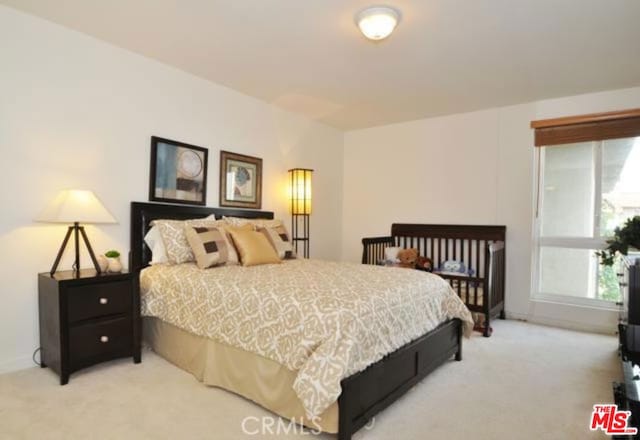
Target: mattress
[{"x": 322, "y": 320}]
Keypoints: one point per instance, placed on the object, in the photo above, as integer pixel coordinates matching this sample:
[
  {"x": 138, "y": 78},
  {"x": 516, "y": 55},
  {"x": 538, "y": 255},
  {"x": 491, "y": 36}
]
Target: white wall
[
  {"x": 473, "y": 168},
  {"x": 79, "y": 113}
]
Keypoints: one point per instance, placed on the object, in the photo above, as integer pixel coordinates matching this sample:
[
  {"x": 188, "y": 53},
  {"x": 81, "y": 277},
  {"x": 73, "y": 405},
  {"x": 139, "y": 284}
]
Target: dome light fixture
[{"x": 377, "y": 22}]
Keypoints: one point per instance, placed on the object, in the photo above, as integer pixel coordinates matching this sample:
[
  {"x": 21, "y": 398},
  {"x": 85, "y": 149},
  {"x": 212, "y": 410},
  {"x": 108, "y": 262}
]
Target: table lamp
[{"x": 76, "y": 206}]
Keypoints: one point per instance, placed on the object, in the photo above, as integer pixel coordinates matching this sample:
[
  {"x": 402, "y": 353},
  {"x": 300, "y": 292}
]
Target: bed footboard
[{"x": 367, "y": 393}]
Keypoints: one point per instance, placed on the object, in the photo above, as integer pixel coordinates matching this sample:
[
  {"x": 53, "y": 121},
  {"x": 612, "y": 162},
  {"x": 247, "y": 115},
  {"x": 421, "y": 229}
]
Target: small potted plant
[
  {"x": 624, "y": 239},
  {"x": 113, "y": 257}
]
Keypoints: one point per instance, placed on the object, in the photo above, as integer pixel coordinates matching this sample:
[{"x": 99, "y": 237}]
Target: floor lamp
[
  {"x": 75, "y": 207},
  {"x": 300, "y": 198}
]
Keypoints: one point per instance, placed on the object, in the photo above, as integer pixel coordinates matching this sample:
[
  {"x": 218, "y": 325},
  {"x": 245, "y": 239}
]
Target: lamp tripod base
[{"x": 77, "y": 231}]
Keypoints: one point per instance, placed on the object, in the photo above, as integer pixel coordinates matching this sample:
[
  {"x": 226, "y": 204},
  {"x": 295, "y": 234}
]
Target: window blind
[{"x": 591, "y": 127}]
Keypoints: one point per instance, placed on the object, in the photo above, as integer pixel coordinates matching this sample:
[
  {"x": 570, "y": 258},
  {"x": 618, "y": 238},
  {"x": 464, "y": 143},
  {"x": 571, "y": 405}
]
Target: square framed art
[
  {"x": 178, "y": 172},
  {"x": 240, "y": 180}
]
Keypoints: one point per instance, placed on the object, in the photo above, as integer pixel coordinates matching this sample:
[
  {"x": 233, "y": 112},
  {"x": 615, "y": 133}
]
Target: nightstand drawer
[
  {"x": 96, "y": 300},
  {"x": 103, "y": 339}
]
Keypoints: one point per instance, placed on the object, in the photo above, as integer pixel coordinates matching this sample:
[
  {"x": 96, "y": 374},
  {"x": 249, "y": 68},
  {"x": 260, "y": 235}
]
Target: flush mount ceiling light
[{"x": 377, "y": 22}]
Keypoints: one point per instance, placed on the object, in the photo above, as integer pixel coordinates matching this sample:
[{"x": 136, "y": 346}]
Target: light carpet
[{"x": 525, "y": 382}]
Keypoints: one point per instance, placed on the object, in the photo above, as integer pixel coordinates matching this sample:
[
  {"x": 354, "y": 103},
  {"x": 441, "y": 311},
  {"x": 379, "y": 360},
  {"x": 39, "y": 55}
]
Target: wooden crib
[{"x": 481, "y": 249}]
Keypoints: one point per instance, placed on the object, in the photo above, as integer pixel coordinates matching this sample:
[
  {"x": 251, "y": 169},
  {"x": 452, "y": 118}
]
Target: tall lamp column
[{"x": 300, "y": 198}]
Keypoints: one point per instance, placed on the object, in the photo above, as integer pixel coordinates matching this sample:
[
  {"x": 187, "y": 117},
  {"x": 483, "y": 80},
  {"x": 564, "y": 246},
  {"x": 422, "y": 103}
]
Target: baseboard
[
  {"x": 16, "y": 364},
  {"x": 563, "y": 323}
]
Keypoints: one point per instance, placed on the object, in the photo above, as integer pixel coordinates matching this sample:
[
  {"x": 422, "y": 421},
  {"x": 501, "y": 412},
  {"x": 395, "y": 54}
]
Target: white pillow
[
  {"x": 391, "y": 254},
  {"x": 153, "y": 239}
]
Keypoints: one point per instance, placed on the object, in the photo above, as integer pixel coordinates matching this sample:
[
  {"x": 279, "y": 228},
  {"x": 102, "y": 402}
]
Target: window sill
[{"x": 577, "y": 301}]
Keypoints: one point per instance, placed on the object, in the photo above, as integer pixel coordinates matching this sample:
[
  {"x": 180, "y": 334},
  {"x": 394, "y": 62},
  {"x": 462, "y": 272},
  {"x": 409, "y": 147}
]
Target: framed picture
[
  {"x": 178, "y": 172},
  {"x": 240, "y": 180}
]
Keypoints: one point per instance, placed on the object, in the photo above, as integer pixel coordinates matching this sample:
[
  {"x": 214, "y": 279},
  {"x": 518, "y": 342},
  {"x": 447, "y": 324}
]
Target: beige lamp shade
[
  {"x": 73, "y": 205},
  {"x": 300, "y": 191}
]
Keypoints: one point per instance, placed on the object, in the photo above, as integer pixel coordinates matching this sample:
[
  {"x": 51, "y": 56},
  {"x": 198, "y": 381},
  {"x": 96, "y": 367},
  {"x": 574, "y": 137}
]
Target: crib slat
[
  {"x": 446, "y": 249},
  {"x": 455, "y": 246},
  {"x": 477, "y": 268}
]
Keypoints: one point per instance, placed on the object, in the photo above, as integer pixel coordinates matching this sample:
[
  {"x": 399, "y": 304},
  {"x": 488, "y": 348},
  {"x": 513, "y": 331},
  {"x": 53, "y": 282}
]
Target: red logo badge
[{"x": 613, "y": 422}]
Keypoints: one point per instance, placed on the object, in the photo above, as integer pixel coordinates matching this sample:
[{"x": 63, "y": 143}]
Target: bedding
[{"x": 323, "y": 320}]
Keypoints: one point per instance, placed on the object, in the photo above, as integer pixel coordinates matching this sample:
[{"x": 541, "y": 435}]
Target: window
[{"x": 586, "y": 189}]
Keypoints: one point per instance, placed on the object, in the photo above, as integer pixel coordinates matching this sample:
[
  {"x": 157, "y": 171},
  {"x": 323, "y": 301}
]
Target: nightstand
[{"x": 86, "y": 319}]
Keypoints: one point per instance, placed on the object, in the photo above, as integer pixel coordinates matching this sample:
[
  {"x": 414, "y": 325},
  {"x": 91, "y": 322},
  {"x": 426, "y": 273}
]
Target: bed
[
  {"x": 481, "y": 248},
  {"x": 334, "y": 381}
]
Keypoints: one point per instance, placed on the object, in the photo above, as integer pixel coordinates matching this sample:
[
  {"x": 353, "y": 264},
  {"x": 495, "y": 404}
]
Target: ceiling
[{"x": 307, "y": 56}]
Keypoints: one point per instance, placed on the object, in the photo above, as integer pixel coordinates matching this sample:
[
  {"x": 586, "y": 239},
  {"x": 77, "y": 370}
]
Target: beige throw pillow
[
  {"x": 279, "y": 239},
  {"x": 233, "y": 252},
  {"x": 254, "y": 248},
  {"x": 209, "y": 245}
]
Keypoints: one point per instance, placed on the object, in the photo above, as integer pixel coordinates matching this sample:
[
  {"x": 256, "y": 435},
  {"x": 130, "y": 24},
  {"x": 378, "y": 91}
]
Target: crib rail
[
  {"x": 373, "y": 248},
  {"x": 496, "y": 275}
]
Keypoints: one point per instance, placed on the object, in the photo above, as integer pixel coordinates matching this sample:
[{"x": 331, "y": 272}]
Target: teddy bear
[
  {"x": 424, "y": 263},
  {"x": 407, "y": 257}
]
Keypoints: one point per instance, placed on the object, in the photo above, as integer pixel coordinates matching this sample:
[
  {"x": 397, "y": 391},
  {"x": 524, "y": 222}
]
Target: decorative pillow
[
  {"x": 254, "y": 222},
  {"x": 254, "y": 248},
  {"x": 153, "y": 239},
  {"x": 455, "y": 267},
  {"x": 209, "y": 245},
  {"x": 174, "y": 238},
  {"x": 391, "y": 254},
  {"x": 233, "y": 253},
  {"x": 279, "y": 239}
]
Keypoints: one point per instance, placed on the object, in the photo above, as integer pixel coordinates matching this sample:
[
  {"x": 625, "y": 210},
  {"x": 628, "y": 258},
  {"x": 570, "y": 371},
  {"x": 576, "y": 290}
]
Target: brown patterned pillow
[
  {"x": 209, "y": 245},
  {"x": 279, "y": 239}
]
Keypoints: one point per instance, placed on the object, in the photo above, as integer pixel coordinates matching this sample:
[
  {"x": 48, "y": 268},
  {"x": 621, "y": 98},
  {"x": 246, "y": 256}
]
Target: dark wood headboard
[{"x": 142, "y": 214}]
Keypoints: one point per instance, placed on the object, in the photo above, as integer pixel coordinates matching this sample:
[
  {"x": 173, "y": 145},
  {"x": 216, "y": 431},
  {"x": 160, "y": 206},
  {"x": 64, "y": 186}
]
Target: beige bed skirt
[{"x": 266, "y": 382}]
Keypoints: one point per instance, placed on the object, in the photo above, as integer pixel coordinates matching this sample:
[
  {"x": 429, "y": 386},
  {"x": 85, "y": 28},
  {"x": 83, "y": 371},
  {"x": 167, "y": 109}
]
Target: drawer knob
[
  {"x": 104, "y": 339},
  {"x": 104, "y": 300}
]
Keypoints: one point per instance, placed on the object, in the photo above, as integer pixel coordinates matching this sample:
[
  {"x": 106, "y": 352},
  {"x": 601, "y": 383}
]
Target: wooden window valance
[{"x": 593, "y": 127}]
